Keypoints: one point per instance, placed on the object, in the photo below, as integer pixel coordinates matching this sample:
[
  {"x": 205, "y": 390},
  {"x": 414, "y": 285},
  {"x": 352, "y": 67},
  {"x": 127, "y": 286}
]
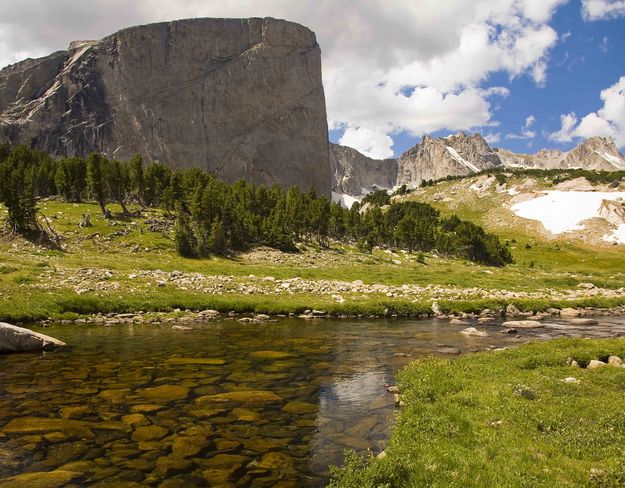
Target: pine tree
[
  {"x": 95, "y": 181},
  {"x": 117, "y": 180},
  {"x": 406, "y": 232},
  {"x": 184, "y": 238},
  {"x": 17, "y": 194},
  {"x": 137, "y": 177},
  {"x": 217, "y": 238}
]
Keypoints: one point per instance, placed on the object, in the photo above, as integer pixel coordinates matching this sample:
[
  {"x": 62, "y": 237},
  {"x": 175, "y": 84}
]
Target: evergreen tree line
[{"x": 213, "y": 217}]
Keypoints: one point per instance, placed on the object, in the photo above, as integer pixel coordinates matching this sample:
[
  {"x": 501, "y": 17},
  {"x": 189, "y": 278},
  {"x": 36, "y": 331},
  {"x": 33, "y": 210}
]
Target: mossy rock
[
  {"x": 300, "y": 408},
  {"x": 149, "y": 433},
  {"x": 184, "y": 446},
  {"x": 164, "y": 393},
  {"x": 195, "y": 361},
  {"x": 246, "y": 397},
  {"x": 271, "y": 355},
  {"x": 49, "y": 479}
]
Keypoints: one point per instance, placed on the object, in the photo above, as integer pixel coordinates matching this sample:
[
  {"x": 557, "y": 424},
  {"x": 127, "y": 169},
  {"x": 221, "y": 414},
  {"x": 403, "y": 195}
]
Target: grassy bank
[
  {"x": 94, "y": 271},
  {"x": 506, "y": 419},
  {"x": 29, "y": 306}
]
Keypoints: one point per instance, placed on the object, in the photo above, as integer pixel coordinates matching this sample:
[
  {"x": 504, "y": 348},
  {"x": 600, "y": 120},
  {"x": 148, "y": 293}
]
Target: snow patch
[
  {"x": 617, "y": 236},
  {"x": 612, "y": 159},
  {"x": 564, "y": 211},
  {"x": 513, "y": 191},
  {"x": 461, "y": 160},
  {"x": 344, "y": 199}
]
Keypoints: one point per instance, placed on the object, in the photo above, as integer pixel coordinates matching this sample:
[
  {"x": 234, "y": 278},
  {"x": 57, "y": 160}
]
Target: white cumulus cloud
[
  {"x": 375, "y": 144},
  {"x": 602, "y": 9},
  {"x": 526, "y": 132},
  {"x": 415, "y": 66},
  {"x": 608, "y": 121}
]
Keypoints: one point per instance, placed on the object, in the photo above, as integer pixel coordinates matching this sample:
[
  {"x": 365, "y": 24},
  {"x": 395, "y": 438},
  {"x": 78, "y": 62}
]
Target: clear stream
[{"x": 223, "y": 404}]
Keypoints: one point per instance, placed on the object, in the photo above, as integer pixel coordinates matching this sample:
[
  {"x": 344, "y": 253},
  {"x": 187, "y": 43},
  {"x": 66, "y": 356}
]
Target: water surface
[{"x": 223, "y": 404}]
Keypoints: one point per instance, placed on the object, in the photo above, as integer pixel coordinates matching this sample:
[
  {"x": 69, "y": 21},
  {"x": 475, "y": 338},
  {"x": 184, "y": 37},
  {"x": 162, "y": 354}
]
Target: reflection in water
[{"x": 251, "y": 405}]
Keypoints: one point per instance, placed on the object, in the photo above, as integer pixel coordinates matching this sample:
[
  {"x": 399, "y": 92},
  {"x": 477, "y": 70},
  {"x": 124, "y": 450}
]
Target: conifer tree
[
  {"x": 184, "y": 238},
  {"x": 95, "y": 181},
  {"x": 137, "y": 177}
]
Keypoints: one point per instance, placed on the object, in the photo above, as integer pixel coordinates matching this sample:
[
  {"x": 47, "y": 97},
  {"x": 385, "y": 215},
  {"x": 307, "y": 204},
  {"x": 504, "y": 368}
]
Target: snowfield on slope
[
  {"x": 344, "y": 199},
  {"x": 564, "y": 211}
]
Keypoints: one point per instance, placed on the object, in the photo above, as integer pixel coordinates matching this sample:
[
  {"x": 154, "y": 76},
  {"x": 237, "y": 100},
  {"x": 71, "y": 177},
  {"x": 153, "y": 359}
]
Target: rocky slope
[
  {"x": 354, "y": 173},
  {"x": 242, "y": 98},
  {"x": 596, "y": 153},
  {"x": 459, "y": 155},
  {"x": 436, "y": 158}
]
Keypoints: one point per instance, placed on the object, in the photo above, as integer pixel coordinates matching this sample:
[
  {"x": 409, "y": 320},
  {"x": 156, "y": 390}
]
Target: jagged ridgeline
[{"x": 213, "y": 216}]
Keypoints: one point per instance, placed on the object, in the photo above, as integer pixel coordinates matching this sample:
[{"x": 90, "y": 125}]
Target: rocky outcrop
[
  {"x": 459, "y": 155},
  {"x": 354, "y": 173},
  {"x": 242, "y": 98},
  {"x": 436, "y": 158},
  {"x": 18, "y": 339},
  {"x": 595, "y": 153}
]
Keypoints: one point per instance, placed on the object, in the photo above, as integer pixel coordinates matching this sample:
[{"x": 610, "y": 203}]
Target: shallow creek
[{"x": 223, "y": 404}]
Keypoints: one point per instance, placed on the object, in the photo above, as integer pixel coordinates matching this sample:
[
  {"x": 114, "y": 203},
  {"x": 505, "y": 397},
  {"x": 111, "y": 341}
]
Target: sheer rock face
[
  {"x": 356, "y": 174},
  {"x": 242, "y": 98}
]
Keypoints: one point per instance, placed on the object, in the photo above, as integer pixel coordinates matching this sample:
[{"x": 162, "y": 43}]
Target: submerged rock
[
  {"x": 248, "y": 396},
  {"x": 149, "y": 433},
  {"x": 584, "y": 321},
  {"x": 49, "y": 479},
  {"x": 449, "y": 350},
  {"x": 165, "y": 393},
  {"x": 190, "y": 446},
  {"x": 19, "y": 339},
  {"x": 195, "y": 361}
]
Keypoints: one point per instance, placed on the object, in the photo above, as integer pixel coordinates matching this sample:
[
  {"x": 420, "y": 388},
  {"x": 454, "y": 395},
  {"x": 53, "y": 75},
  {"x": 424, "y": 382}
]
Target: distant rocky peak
[
  {"x": 598, "y": 153},
  {"x": 601, "y": 143}
]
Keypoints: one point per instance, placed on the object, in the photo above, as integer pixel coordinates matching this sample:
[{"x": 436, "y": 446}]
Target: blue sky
[
  {"x": 589, "y": 56},
  {"x": 527, "y": 74}
]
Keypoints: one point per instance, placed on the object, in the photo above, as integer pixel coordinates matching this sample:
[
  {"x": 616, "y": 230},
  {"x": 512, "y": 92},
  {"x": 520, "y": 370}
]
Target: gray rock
[
  {"x": 449, "y": 350},
  {"x": 473, "y": 332},
  {"x": 18, "y": 339},
  {"x": 458, "y": 322},
  {"x": 615, "y": 361},
  {"x": 522, "y": 324},
  {"x": 595, "y": 364},
  {"x": 584, "y": 321},
  {"x": 525, "y": 392},
  {"x": 242, "y": 98}
]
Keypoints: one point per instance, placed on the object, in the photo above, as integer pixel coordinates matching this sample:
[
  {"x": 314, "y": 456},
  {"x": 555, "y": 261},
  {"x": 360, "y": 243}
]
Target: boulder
[
  {"x": 458, "y": 322},
  {"x": 595, "y": 364},
  {"x": 522, "y": 324},
  {"x": 584, "y": 321},
  {"x": 473, "y": 332},
  {"x": 18, "y": 339}
]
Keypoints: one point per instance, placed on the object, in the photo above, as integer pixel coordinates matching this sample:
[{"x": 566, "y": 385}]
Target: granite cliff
[{"x": 242, "y": 98}]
